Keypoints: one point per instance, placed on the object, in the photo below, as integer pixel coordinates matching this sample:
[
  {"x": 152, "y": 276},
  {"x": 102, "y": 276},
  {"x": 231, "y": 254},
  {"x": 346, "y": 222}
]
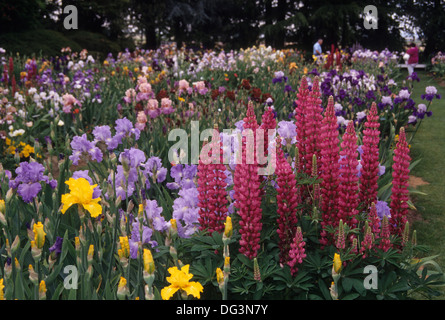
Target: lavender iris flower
[{"x": 28, "y": 180}]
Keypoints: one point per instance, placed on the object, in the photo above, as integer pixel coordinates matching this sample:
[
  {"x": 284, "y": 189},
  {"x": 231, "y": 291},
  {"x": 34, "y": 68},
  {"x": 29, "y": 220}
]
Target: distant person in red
[{"x": 413, "y": 52}]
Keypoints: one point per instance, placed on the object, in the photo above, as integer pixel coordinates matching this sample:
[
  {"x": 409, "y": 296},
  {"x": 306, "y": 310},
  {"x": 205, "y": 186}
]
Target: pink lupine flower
[
  {"x": 248, "y": 194},
  {"x": 400, "y": 175},
  {"x": 374, "y": 220},
  {"x": 385, "y": 234},
  {"x": 308, "y": 116},
  {"x": 300, "y": 116},
  {"x": 212, "y": 198},
  {"x": 268, "y": 123},
  {"x": 297, "y": 251},
  {"x": 329, "y": 169},
  {"x": 313, "y": 124},
  {"x": 287, "y": 201},
  {"x": 341, "y": 237},
  {"x": 370, "y": 159},
  {"x": 367, "y": 242},
  {"x": 348, "y": 189}
]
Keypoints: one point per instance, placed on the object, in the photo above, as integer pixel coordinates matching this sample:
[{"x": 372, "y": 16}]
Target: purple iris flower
[
  {"x": 57, "y": 246},
  {"x": 81, "y": 145},
  {"x": 28, "y": 180}
]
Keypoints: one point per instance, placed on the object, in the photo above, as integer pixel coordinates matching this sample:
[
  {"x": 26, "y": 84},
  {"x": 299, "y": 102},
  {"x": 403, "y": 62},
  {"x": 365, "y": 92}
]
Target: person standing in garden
[
  {"x": 317, "y": 48},
  {"x": 413, "y": 52}
]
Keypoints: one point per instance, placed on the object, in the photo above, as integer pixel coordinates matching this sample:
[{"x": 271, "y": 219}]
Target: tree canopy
[{"x": 238, "y": 23}]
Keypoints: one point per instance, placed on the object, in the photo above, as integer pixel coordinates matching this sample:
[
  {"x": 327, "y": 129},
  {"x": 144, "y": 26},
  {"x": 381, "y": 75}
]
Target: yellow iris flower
[
  {"x": 179, "y": 280},
  {"x": 39, "y": 235},
  {"x": 81, "y": 193},
  {"x": 149, "y": 264}
]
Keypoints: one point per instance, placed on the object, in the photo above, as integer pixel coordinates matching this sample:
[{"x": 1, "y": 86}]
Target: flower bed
[{"x": 286, "y": 182}]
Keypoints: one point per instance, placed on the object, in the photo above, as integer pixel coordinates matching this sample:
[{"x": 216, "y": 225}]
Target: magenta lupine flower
[
  {"x": 385, "y": 234},
  {"x": 367, "y": 243},
  {"x": 211, "y": 186},
  {"x": 301, "y": 111},
  {"x": 80, "y": 146},
  {"x": 348, "y": 189},
  {"x": 329, "y": 169},
  {"x": 400, "y": 175},
  {"x": 309, "y": 116},
  {"x": 370, "y": 159},
  {"x": 248, "y": 195},
  {"x": 374, "y": 220},
  {"x": 297, "y": 251},
  {"x": 28, "y": 180},
  {"x": 268, "y": 122},
  {"x": 287, "y": 201},
  {"x": 313, "y": 125},
  {"x": 341, "y": 236}
]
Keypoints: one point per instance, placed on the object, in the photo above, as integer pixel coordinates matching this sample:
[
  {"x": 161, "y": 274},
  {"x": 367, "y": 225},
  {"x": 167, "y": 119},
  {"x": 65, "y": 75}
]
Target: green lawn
[{"x": 429, "y": 145}]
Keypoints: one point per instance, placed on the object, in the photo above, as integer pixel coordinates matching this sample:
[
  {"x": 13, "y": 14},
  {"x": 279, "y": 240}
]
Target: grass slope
[{"x": 429, "y": 145}]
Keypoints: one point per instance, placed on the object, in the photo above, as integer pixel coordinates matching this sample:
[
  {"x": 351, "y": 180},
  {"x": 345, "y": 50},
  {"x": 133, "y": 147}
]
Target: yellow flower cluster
[{"x": 24, "y": 149}]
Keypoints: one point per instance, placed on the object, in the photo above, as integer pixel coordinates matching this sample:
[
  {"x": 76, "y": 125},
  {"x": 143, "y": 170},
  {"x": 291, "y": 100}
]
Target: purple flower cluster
[
  {"x": 28, "y": 180},
  {"x": 82, "y": 146},
  {"x": 141, "y": 232},
  {"x": 186, "y": 212},
  {"x": 134, "y": 164},
  {"x": 287, "y": 130},
  {"x": 430, "y": 94},
  {"x": 184, "y": 176},
  {"x": 279, "y": 77},
  {"x": 185, "y": 206}
]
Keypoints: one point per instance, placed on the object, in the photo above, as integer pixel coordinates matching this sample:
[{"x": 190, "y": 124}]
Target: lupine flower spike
[
  {"x": 212, "y": 188},
  {"x": 399, "y": 197},
  {"x": 348, "y": 190},
  {"x": 329, "y": 170},
  {"x": 370, "y": 159},
  {"x": 287, "y": 202},
  {"x": 248, "y": 194}
]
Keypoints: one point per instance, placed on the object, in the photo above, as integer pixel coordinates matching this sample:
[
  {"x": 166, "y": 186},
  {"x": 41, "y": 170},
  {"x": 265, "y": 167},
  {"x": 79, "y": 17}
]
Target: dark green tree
[
  {"x": 429, "y": 18},
  {"x": 20, "y": 15}
]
